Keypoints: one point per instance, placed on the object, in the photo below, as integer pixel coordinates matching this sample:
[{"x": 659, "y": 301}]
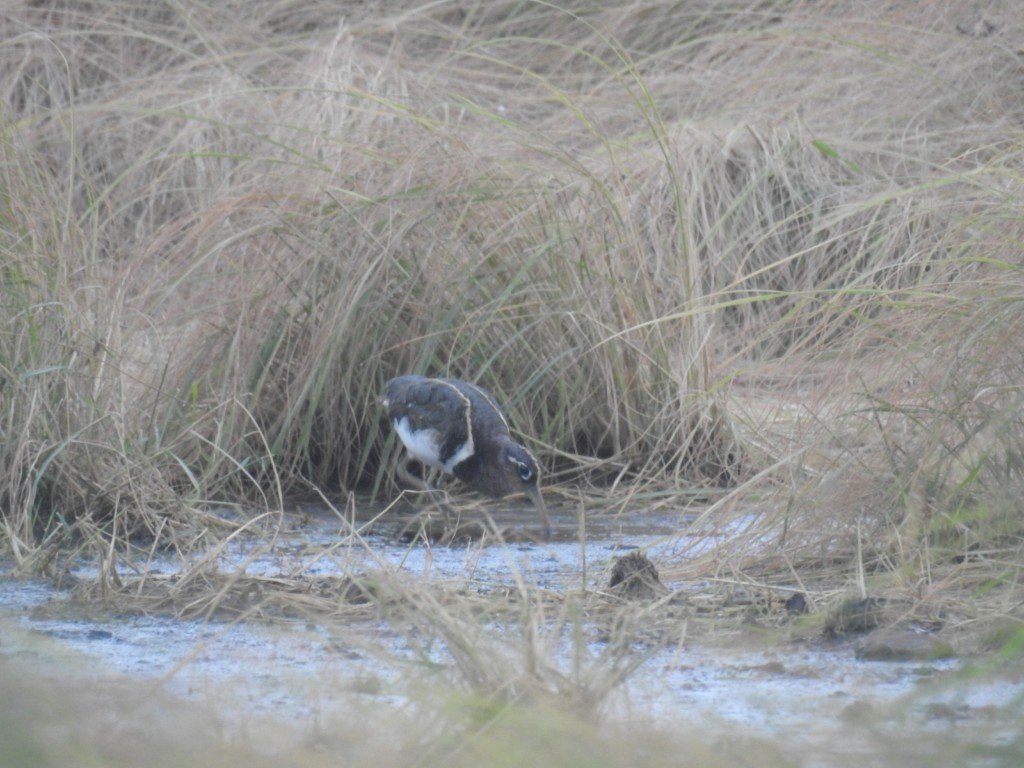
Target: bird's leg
[
  {"x": 439, "y": 497},
  {"x": 408, "y": 477}
]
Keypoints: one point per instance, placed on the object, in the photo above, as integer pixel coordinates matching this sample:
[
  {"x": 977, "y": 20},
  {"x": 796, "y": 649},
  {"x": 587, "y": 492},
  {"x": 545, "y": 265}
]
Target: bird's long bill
[{"x": 538, "y": 501}]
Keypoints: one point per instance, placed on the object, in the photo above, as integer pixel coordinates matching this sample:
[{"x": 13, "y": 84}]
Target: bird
[{"x": 459, "y": 428}]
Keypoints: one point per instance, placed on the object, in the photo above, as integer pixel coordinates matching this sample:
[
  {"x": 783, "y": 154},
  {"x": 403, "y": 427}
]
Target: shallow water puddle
[{"x": 302, "y": 671}]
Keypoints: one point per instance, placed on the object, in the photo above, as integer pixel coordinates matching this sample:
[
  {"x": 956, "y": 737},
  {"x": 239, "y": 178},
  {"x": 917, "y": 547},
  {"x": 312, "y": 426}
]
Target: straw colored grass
[{"x": 769, "y": 251}]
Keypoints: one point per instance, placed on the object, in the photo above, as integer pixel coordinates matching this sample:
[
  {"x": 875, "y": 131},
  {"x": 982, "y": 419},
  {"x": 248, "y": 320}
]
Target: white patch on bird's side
[
  {"x": 425, "y": 445},
  {"x": 464, "y": 452}
]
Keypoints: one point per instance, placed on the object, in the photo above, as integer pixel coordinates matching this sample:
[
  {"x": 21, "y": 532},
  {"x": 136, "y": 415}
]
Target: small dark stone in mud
[
  {"x": 855, "y": 617},
  {"x": 635, "y": 577},
  {"x": 902, "y": 645},
  {"x": 253, "y": 594},
  {"x": 797, "y": 604},
  {"x": 99, "y": 634}
]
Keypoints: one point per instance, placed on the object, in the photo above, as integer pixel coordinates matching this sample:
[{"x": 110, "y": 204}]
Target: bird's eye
[{"x": 525, "y": 473}]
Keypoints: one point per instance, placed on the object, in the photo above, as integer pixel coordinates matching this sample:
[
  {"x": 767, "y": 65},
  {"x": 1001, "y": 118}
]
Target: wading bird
[{"x": 458, "y": 428}]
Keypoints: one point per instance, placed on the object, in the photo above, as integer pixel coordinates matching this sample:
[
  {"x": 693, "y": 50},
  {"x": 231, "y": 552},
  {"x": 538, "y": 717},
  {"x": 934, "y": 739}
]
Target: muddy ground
[{"x": 793, "y": 682}]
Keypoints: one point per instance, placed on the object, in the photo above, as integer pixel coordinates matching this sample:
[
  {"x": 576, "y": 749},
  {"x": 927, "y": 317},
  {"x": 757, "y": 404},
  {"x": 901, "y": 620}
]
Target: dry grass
[
  {"x": 772, "y": 246},
  {"x": 118, "y": 722}
]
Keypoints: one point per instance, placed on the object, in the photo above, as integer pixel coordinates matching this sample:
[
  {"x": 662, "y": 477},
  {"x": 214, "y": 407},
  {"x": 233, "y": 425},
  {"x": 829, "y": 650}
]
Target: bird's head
[{"x": 521, "y": 473}]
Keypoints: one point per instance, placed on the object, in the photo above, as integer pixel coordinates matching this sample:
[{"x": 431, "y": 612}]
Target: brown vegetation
[{"x": 769, "y": 249}]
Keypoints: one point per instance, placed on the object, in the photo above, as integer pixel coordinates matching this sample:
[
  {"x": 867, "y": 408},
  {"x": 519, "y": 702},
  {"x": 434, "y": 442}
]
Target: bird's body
[{"x": 458, "y": 428}]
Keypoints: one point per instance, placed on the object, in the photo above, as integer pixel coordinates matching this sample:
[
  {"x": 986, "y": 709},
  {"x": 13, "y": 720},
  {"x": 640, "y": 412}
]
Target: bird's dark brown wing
[
  {"x": 431, "y": 404},
  {"x": 488, "y": 417}
]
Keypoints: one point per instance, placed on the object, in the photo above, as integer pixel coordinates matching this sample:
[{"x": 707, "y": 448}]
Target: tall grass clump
[
  {"x": 68, "y": 448},
  {"x": 691, "y": 243},
  {"x": 770, "y": 251}
]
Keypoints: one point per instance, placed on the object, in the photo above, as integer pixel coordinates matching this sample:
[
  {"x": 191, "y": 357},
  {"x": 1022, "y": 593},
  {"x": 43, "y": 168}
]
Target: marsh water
[{"x": 300, "y": 671}]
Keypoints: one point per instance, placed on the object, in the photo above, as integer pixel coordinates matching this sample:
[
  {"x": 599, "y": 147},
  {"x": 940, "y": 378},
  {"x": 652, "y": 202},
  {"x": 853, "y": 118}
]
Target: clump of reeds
[{"x": 685, "y": 244}]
